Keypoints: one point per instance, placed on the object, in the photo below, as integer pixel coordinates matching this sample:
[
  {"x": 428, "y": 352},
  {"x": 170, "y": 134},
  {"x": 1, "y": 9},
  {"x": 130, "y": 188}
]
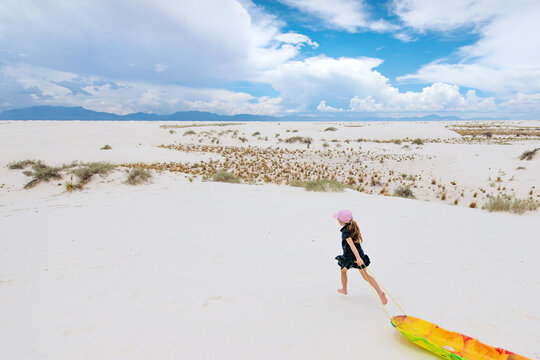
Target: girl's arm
[{"x": 359, "y": 260}]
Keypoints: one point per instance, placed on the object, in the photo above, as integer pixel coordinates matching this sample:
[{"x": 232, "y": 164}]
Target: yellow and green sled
[{"x": 448, "y": 344}]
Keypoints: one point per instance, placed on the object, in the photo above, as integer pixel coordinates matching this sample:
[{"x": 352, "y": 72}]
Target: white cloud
[
  {"x": 522, "y": 102},
  {"x": 348, "y": 15},
  {"x": 296, "y": 39},
  {"x": 201, "y": 42},
  {"x": 30, "y": 85},
  {"x": 302, "y": 84},
  {"x": 423, "y": 15},
  {"x": 503, "y": 61},
  {"x": 435, "y": 98},
  {"x": 325, "y": 108}
]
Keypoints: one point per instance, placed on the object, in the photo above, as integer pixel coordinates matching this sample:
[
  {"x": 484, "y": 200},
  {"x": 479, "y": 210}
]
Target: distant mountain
[{"x": 80, "y": 113}]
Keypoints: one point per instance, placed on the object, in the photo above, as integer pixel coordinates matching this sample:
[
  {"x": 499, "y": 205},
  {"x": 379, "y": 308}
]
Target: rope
[{"x": 366, "y": 272}]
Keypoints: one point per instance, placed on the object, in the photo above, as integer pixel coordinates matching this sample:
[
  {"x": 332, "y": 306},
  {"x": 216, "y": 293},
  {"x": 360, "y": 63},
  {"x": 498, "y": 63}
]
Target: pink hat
[{"x": 343, "y": 215}]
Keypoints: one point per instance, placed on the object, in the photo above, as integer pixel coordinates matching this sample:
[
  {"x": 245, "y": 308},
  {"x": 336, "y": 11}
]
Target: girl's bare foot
[
  {"x": 383, "y": 298},
  {"x": 341, "y": 291}
]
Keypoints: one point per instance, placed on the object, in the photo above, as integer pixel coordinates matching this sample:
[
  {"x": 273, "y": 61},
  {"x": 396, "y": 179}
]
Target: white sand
[{"x": 200, "y": 270}]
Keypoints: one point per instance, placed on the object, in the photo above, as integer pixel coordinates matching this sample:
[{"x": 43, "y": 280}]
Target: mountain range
[{"x": 80, "y": 113}]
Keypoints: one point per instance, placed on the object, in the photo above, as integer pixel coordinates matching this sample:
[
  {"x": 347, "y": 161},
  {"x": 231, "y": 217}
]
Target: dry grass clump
[
  {"x": 528, "y": 155},
  {"x": 300, "y": 139},
  {"x": 42, "y": 173},
  {"x": 418, "y": 141},
  {"x": 87, "y": 170},
  {"x": 106, "y": 147},
  {"x": 138, "y": 176},
  {"x": 297, "y": 183},
  {"x": 404, "y": 191},
  {"x": 331, "y": 128},
  {"x": 18, "y": 165},
  {"x": 517, "y": 206},
  {"x": 324, "y": 185},
  {"x": 190, "y": 132},
  {"x": 227, "y": 177},
  {"x": 256, "y": 133}
]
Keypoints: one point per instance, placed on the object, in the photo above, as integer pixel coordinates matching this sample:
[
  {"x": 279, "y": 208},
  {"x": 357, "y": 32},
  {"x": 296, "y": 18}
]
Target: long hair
[{"x": 354, "y": 230}]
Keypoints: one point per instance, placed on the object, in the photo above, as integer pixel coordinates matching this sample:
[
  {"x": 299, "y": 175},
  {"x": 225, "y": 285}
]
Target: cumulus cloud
[
  {"x": 303, "y": 83},
  {"x": 435, "y": 98},
  {"x": 503, "y": 61},
  {"x": 348, "y": 15},
  {"x": 30, "y": 85},
  {"x": 214, "y": 40}
]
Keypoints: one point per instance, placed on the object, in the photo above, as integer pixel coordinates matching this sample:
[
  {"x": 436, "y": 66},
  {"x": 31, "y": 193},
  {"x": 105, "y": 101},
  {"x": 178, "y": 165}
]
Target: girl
[{"x": 353, "y": 255}]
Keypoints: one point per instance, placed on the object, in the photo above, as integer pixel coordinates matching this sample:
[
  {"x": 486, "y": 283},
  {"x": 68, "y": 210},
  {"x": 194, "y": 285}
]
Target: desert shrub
[
  {"x": 256, "y": 133},
  {"x": 138, "y": 176},
  {"x": 87, "y": 170},
  {"x": 325, "y": 145},
  {"x": 42, "y": 173},
  {"x": 106, "y": 147},
  {"x": 488, "y": 134},
  {"x": 224, "y": 176},
  {"x": 297, "y": 183},
  {"x": 190, "y": 132},
  {"x": 528, "y": 155},
  {"x": 17, "y": 165},
  {"x": 418, "y": 141},
  {"x": 331, "y": 128},
  {"x": 517, "y": 206},
  {"x": 242, "y": 139},
  {"x": 404, "y": 192},
  {"x": 300, "y": 139},
  {"x": 172, "y": 132},
  {"x": 324, "y": 185}
]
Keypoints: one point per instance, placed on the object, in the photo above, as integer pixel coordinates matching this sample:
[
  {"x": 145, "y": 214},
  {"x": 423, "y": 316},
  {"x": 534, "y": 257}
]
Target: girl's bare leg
[
  {"x": 373, "y": 283},
  {"x": 343, "y": 289}
]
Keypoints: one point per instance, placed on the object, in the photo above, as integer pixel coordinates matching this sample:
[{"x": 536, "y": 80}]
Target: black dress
[{"x": 348, "y": 260}]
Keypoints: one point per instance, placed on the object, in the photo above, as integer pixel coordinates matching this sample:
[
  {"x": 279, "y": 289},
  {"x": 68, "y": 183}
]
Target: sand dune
[{"x": 204, "y": 270}]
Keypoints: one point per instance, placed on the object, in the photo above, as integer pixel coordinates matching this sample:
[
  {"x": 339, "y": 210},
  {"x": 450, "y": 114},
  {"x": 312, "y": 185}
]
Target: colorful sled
[{"x": 448, "y": 344}]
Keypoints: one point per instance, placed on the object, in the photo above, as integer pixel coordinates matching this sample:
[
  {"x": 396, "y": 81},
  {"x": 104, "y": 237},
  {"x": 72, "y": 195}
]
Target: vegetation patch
[
  {"x": 87, "y": 170},
  {"x": 331, "y": 128},
  {"x": 528, "y": 155},
  {"x": 404, "y": 192},
  {"x": 227, "y": 177},
  {"x": 42, "y": 173},
  {"x": 106, "y": 147},
  {"x": 517, "y": 206},
  {"x": 138, "y": 176},
  {"x": 300, "y": 139},
  {"x": 325, "y": 185}
]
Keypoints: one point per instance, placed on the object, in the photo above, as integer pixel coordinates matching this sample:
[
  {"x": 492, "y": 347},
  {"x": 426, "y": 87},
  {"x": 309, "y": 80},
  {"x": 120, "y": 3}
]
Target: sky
[{"x": 340, "y": 58}]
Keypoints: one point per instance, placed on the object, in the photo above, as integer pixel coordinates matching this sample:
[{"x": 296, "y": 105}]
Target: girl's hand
[{"x": 360, "y": 262}]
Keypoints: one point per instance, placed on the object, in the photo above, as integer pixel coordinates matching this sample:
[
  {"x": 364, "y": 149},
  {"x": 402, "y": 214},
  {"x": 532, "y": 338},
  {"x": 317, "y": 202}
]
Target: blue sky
[{"x": 345, "y": 58}]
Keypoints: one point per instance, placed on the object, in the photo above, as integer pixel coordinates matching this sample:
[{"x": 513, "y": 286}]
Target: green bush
[
  {"x": 42, "y": 173},
  {"x": 300, "y": 139},
  {"x": 224, "y": 176},
  {"x": 87, "y": 170},
  {"x": 138, "y": 176},
  {"x": 517, "y": 206},
  {"x": 528, "y": 155},
  {"x": 404, "y": 192},
  {"x": 22, "y": 164},
  {"x": 325, "y": 185}
]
